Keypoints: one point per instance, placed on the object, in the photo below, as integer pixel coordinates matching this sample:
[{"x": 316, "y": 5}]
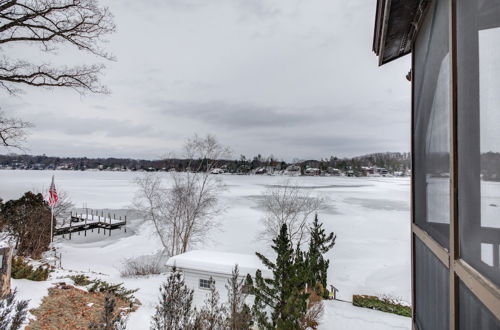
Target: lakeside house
[
  {"x": 292, "y": 170},
  {"x": 199, "y": 267}
]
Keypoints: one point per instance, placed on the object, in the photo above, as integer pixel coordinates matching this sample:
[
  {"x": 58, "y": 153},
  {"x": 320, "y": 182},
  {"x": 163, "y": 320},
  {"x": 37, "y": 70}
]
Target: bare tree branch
[
  {"x": 77, "y": 78},
  {"x": 289, "y": 204},
  {"x": 13, "y": 131},
  {"x": 49, "y": 23}
]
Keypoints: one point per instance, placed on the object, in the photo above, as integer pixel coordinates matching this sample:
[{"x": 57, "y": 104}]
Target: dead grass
[{"x": 67, "y": 307}]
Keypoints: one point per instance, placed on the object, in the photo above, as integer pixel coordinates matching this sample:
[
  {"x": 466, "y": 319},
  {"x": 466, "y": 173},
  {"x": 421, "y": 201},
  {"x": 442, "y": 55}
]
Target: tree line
[{"x": 392, "y": 161}]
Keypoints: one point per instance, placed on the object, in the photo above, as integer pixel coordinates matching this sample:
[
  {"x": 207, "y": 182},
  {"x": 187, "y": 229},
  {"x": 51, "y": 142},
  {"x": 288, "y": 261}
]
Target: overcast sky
[{"x": 291, "y": 78}]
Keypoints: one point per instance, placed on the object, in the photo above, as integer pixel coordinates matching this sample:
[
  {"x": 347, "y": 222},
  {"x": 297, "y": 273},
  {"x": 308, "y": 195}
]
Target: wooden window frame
[{"x": 485, "y": 290}]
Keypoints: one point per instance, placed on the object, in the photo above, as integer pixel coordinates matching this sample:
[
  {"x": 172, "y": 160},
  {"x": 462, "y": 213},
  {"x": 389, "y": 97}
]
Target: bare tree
[
  {"x": 150, "y": 201},
  {"x": 13, "y": 131},
  {"x": 292, "y": 205},
  {"x": 186, "y": 212},
  {"x": 63, "y": 206},
  {"x": 49, "y": 24}
]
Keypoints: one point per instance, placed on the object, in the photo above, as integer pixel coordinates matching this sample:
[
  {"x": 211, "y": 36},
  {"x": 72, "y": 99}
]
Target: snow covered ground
[{"x": 369, "y": 215}]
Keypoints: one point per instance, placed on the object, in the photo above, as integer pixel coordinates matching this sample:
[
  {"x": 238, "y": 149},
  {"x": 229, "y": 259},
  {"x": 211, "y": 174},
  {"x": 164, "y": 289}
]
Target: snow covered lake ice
[{"x": 369, "y": 215}]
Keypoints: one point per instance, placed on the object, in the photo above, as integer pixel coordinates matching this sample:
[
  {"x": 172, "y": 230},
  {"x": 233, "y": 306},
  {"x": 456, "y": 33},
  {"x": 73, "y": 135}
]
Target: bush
[
  {"x": 81, "y": 280},
  {"x": 22, "y": 269},
  {"x": 117, "y": 290},
  {"x": 110, "y": 318},
  {"x": 142, "y": 266},
  {"x": 13, "y": 313},
  {"x": 383, "y": 304},
  {"x": 27, "y": 221}
]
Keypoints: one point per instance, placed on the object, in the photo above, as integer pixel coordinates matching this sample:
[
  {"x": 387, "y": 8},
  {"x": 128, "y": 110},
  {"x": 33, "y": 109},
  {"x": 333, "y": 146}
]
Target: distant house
[
  {"x": 312, "y": 171},
  {"x": 260, "y": 171},
  {"x": 200, "y": 267},
  {"x": 334, "y": 171},
  {"x": 217, "y": 171},
  {"x": 293, "y": 170}
]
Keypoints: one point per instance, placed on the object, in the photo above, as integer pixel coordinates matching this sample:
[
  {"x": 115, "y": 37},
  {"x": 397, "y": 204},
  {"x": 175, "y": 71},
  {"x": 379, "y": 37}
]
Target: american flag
[{"x": 52, "y": 193}]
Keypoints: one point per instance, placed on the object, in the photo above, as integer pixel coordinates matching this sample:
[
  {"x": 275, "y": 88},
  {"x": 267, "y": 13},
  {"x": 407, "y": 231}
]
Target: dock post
[
  {"x": 110, "y": 224},
  {"x": 86, "y": 217},
  {"x": 125, "y": 226},
  {"x": 70, "y": 224},
  {"x": 92, "y": 229}
]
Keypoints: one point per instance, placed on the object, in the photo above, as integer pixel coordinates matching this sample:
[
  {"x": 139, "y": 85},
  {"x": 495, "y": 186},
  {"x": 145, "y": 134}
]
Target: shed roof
[
  {"x": 396, "y": 23},
  {"x": 218, "y": 262}
]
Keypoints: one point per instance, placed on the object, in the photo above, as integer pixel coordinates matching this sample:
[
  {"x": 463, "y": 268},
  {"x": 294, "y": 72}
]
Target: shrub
[
  {"x": 315, "y": 310},
  {"x": 383, "y": 304},
  {"x": 27, "y": 221},
  {"x": 22, "y": 269},
  {"x": 81, "y": 280},
  {"x": 12, "y": 312},
  {"x": 110, "y": 318},
  {"x": 142, "y": 266},
  {"x": 117, "y": 290}
]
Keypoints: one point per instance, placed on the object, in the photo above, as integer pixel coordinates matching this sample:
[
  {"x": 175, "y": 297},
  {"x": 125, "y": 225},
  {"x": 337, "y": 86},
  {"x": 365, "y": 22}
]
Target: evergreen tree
[
  {"x": 27, "y": 221},
  {"x": 317, "y": 267},
  {"x": 213, "y": 315},
  {"x": 283, "y": 294},
  {"x": 175, "y": 310},
  {"x": 240, "y": 316},
  {"x": 13, "y": 312},
  {"x": 108, "y": 320}
]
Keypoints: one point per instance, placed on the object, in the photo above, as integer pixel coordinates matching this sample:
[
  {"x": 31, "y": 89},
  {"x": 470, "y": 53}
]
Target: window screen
[
  {"x": 432, "y": 123},
  {"x": 431, "y": 290},
  {"x": 473, "y": 314},
  {"x": 478, "y": 97}
]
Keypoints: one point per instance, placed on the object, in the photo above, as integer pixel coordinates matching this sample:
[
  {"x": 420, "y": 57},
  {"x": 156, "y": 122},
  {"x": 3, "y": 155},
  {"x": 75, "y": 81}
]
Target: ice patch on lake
[{"x": 380, "y": 204}]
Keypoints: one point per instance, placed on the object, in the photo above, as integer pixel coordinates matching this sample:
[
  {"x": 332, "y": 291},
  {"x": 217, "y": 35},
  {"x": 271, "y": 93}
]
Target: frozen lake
[{"x": 369, "y": 215}]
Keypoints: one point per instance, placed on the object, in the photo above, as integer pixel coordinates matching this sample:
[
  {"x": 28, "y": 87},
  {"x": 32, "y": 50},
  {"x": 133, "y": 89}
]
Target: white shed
[{"x": 199, "y": 266}]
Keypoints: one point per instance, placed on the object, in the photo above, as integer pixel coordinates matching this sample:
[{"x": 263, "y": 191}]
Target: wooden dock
[{"x": 91, "y": 220}]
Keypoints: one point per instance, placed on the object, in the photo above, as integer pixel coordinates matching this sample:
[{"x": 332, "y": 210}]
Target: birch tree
[{"x": 185, "y": 212}]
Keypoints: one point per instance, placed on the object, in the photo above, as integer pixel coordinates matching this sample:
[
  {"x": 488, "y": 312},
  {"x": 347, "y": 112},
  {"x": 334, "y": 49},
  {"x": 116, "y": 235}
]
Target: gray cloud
[
  {"x": 235, "y": 116},
  {"x": 71, "y": 125},
  {"x": 291, "y": 78}
]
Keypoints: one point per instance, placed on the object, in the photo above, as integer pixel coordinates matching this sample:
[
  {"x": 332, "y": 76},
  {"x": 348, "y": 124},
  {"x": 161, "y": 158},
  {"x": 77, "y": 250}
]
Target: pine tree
[
  {"x": 213, "y": 315},
  {"x": 240, "y": 317},
  {"x": 284, "y": 293},
  {"x": 317, "y": 267},
  {"x": 175, "y": 310}
]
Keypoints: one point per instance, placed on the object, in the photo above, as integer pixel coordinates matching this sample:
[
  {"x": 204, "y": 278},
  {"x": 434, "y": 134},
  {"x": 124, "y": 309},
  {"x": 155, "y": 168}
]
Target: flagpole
[
  {"x": 53, "y": 201},
  {"x": 51, "y": 223}
]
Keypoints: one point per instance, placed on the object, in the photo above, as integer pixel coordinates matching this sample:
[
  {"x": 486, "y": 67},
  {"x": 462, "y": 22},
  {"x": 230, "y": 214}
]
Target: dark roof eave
[{"x": 396, "y": 23}]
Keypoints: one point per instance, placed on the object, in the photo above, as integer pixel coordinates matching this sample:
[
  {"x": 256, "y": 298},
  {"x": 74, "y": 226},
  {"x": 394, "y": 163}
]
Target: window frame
[
  {"x": 207, "y": 283},
  {"x": 459, "y": 270}
]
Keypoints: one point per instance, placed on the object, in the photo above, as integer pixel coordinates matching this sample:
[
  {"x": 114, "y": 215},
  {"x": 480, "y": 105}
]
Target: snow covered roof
[{"x": 218, "y": 262}]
